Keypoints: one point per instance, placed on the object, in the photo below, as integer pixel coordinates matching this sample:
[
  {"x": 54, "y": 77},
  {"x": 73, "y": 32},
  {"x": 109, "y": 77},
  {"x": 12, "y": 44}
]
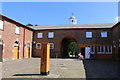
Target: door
[
  {"x": 16, "y": 55},
  {"x": 87, "y": 52},
  {"x": 27, "y": 49},
  {"x": 1, "y": 50}
]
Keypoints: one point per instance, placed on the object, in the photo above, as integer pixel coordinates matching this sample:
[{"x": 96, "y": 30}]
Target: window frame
[
  {"x": 52, "y": 34},
  {"x": 16, "y": 30},
  {"x": 109, "y": 49},
  {"x": 90, "y": 35},
  {"x": 53, "y": 46},
  {"x": 2, "y": 28},
  {"x": 103, "y": 35},
  {"x": 41, "y": 35},
  {"x": 37, "y": 46}
]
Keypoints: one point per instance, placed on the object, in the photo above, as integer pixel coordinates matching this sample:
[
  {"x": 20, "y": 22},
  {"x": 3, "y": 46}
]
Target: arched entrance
[{"x": 69, "y": 47}]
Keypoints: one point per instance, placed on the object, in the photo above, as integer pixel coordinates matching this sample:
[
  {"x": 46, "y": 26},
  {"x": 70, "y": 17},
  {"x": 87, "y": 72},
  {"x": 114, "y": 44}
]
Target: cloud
[{"x": 117, "y": 19}]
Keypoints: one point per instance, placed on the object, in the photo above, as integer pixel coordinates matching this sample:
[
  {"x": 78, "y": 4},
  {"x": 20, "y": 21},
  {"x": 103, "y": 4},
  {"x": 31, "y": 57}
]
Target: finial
[{"x": 72, "y": 14}]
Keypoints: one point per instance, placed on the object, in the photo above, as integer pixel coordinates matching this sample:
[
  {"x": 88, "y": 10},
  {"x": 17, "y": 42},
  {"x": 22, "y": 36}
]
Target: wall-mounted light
[
  {"x": 34, "y": 42},
  {"x": 114, "y": 46},
  {"x": 113, "y": 41}
]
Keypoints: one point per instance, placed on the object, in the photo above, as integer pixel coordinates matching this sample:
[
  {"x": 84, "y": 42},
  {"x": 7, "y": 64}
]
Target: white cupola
[{"x": 73, "y": 19}]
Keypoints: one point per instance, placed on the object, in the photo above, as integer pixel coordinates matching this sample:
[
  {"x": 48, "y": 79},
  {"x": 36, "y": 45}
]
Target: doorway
[
  {"x": 16, "y": 50},
  {"x": 27, "y": 51},
  {"x": 85, "y": 51},
  {"x": 69, "y": 48}
]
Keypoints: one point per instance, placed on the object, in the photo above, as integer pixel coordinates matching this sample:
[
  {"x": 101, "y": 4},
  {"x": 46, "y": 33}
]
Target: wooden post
[
  {"x": 16, "y": 52},
  {"x": 45, "y": 59}
]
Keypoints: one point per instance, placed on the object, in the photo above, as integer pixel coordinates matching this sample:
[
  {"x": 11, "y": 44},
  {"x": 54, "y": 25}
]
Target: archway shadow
[{"x": 101, "y": 69}]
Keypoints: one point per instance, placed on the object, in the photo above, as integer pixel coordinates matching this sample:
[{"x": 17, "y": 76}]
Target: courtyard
[{"x": 61, "y": 68}]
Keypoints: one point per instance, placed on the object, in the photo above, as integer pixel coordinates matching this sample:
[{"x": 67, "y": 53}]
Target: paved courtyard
[{"x": 61, "y": 68}]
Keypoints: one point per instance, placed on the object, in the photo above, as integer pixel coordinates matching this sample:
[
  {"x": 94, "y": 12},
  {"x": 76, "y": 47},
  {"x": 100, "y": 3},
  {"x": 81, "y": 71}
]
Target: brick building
[
  {"x": 19, "y": 41},
  {"x": 15, "y": 39},
  {"x": 100, "y": 40}
]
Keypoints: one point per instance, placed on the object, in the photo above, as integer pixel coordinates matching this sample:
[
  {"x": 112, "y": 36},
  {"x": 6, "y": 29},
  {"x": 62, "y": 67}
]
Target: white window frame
[
  {"x": 37, "y": 45},
  {"x": 104, "y": 34},
  {"x": 1, "y": 25},
  {"x": 109, "y": 50},
  {"x": 89, "y": 35},
  {"x": 39, "y": 35},
  {"x": 52, "y": 45},
  {"x": 50, "y": 34},
  {"x": 17, "y": 30},
  {"x": 104, "y": 50}
]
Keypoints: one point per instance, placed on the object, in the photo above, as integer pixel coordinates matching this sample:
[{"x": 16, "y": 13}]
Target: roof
[
  {"x": 86, "y": 26},
  {"x": 4, "y": 17}
]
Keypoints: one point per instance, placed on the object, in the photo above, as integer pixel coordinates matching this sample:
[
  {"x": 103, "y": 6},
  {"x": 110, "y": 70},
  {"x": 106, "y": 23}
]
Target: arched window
[{"x": 16, "y": 43}]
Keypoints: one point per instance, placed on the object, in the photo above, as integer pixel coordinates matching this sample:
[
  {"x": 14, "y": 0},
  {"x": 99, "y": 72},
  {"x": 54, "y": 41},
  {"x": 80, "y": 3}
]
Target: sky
[{"x": 58, "y": 13}]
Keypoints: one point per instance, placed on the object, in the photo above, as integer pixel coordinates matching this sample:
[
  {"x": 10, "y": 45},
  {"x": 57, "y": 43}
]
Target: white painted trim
[
  {"x": 53, "y": 46},
  {"x": 37, "y": 46},
  {"x": 40, "y": 35},
  {"x": 51, "y": 34},
  {"x": 4, "y": 44},
  {"x": 12, "y": 50}
]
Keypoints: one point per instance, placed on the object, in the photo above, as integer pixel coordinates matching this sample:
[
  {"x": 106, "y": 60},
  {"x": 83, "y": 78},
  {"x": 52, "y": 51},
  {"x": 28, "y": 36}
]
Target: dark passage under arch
[{"x": 67, "y": 44}]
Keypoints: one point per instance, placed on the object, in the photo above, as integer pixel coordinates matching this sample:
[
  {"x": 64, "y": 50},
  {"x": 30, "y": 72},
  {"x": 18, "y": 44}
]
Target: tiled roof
[{"x": 73, "y": 26}]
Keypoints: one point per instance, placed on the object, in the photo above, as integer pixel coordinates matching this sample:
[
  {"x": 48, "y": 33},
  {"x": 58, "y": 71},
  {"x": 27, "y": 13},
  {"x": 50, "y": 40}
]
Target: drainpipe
[{"x": 23, "y": 42}]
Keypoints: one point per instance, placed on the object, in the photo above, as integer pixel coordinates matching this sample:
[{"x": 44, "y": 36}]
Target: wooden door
[
  {"x": 27, "y": 49},
  {"x": 16, "y": 54}
]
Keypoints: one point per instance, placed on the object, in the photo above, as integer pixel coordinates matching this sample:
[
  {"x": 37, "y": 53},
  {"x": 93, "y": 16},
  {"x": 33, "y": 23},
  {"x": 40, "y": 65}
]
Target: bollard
[{"x": 45, "y": 59}]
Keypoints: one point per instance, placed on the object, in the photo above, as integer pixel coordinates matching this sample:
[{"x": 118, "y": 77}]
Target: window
[
  {"x": 39, "y": 35},
  {"x": 110, "y": 49},
  {"x": 103, "y": 34},
  {"x": 51, "y": 45},
  {"x": 92, "y": 48},
  {"x": 98, "y": 48},
  {"x": 51, "y": 35},
  {"x": 17, "y": 30},
  {"x": 88, "y": 34},
  {"x": 104, "y": 49},
  {"x": 38, "y": 46},
  {"x": 1, "y": 24}
]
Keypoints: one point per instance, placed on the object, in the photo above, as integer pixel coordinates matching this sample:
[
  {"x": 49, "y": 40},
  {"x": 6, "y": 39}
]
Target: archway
[{"x": 69, "y": 47}]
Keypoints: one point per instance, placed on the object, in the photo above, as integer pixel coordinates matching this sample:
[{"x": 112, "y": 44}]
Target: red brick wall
[
  {"x": 28, "y": 39},
  {"x": 116, "y": 37},
  {"x": 9, "y": 37},
  {"x": 79, "y": 35}
]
